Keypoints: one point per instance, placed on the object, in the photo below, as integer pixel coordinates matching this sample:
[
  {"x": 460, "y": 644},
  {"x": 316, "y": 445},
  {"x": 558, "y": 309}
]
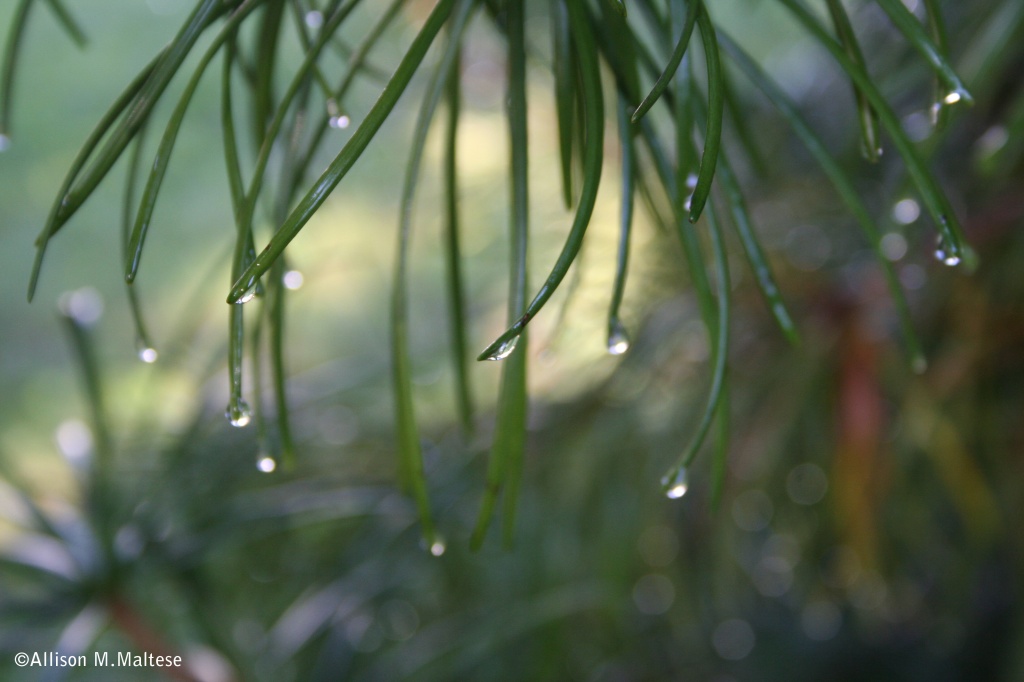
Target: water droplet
[
  {"x": 5, "y": 142},
  {"x": 676, "y": 484},
  {"x": 238, "y": 413},
  {"x": 618, "y": 339},
  {"x": 505, "y": 349},
  {"x": 266, "y": 464},
  {"x": 691, "y": 181},
  {"x": 247, "y": 296},
  {"x": 292, "y": 279},
  {"x": 952, "y": 98},
  {"x": 340, "y": 122},
  {"x": 437, "y": 548},
  {"x": 146, "y": 352},
  {"x": 946, "y": 255},
  {"x": 314, "y": 19}
]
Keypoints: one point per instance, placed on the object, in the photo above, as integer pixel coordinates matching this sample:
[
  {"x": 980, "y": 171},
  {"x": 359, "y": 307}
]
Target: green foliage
[{"x": 197, "y": 516}]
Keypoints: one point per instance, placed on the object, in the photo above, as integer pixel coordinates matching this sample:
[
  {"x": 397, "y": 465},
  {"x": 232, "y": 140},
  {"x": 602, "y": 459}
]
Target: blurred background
[{"x": 866, "y": 529}]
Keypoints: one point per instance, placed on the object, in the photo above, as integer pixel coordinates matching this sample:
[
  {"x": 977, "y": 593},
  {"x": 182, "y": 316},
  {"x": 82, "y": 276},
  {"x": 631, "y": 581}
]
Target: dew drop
[
  {"x": 238, "y": 413},
  {"x": 437, "y": 546},
  {"x": 676, "y": 484},
  {"x": 293, "y": 279},
  {"x": 952, "y": 98},
  {"x": 148, "y": 354},
  {"x": 945, "y": 255},
  {"x": 266, "y": 464},
  {"x": 340, "y": 122},
  {"x": 247, "y": 296},
  {"x": 618, "y": 338},
  {"x": 505, "y": 349}
]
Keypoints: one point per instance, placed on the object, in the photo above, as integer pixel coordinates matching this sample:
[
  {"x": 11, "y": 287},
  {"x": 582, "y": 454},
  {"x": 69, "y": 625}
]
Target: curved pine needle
[
  {"x": 937, "y": 30},
  {"x": 330, "y": 178},
  {"x": 357, "y": 64},
  {"x": 238, "y": 412},
  {"x": 504, "y": 466},
  {"x": 236, "y": 186},
  {"x": 686, "y": 154},
  {"x": 410, "y": 453},
  {"x": 843, "y": 185},
  {"x": 912, "y": 30},
  {"x": 934, "y": 198},
  {"x": 275, "y": 303},
  {"x": 565, "y": 90},
  {"x": 68, "y": 23},
  {"x": 755, "y": 254},
  {"x": 618, "y": 340},
  {"x": 147, "y": 353},
  {"x": 510, "y": 430},
  {"x": 720, "y": 458},
  {"x": 713, "y": 131},
  {"x": 167, "y": 65},
  {"x": 18, "y": 24},
  {"x": 592, "y": 161},
  {"x": 453, "y": 254},
  {"x": 167, "y": 142},
  {"x": 81, "y": 158},
  {"x": 693, "y": 10},
  {"x": 265, "y": 60},
  {"x": 248, "y": 205},
  {"x": 867, "y": 118},
  {"x": 721, "y": 349}
]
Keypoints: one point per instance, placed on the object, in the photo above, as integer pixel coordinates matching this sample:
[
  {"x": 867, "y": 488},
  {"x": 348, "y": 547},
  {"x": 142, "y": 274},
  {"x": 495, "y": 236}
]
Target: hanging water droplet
[
  {"x": 247, "y": 296},
  {"x": 5, "y": 142},
  {"x": 676, "y": 485},
  {"x": 438, "y": 547},
  {"x": 147, "y": 354},
  {"x": 266, "y": 464},
  {"x": 238, "y": 413},
  {"x": 340, "y": 122},
  {"x": 946, "y": 255},
  {"x": 505, "y": 349},
  {"x": 618, "y": 338},
  {"x": 952, "y": 98}
]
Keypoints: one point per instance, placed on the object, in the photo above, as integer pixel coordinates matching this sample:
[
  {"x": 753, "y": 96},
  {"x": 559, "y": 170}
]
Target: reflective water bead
[
  {"x": 676, "y": 485},
  {"x": 238, "y": 413},
  {"x": 505, "y": 349}
]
